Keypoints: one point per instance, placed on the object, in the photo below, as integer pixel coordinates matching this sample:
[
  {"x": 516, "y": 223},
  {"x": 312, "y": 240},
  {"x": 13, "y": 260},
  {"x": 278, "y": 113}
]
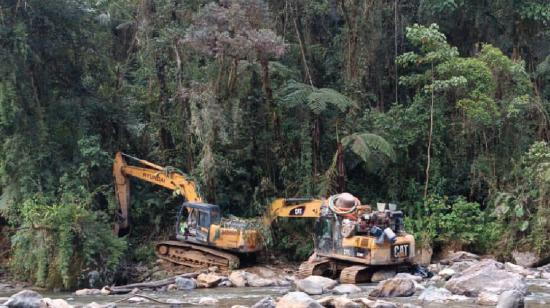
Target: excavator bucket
[{"x": 122, "y": 190}]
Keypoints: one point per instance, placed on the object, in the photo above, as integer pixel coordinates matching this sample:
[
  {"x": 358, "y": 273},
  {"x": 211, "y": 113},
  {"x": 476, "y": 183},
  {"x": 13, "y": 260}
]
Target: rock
[
  {"x": 25, "y": 299},
  {"x": 135, "y": 291},
  {"x": 213, "y": 269},
  {"x": 84, "y": 292},
  {"x": 225, "y": 284},
  {"x": 297, "y": 300},
  {"x": 185, "y": 283},
  {"x": 209, "y": 280},
  {"x": 459, "y": 267},
  {"x": 338, "y": 302},
  {"x": 446, "y": 273},
  {"x": 514, "y": 268},
  {"x": 382, "y": 275},
  {"x": 315, "y": 285},
  {"x": 439, "y": 295},
  {"x": 254, "y": 280},
  {"x": 436, "y": 279},
  {"x": 174, "y": 301},
  {"x": 238, "y": 278},
  {"x": 96, "y": 305},
  {"x": 545, "y": 275},
  {"x": 525, "y": 259},
  {"x": 56, "y": 303},
  {"x": 208, "y": 301},
  {"x": 266, "y": 302},
  {"x": 239, "y": 306},
  {"x": 137, "y": 300},
  {"x": 266, "y": 272},
  {"x": 510, "y": 299},
  {"x": 460, "y": 256},
  {"x": 487, "y": 275},
  {"x": 283, "y": 283},
  {"x": 346, "y": 289},
  {"x": 394, "y": 287},
  {"x": 435, "y": 268},
  {"x": 487, "y": 299},
  {"x": 409, "y": 276},
  {"x": 105, "y": 291},
  {"x": 407, "y": 305},
  {"x": 171, "y": 287},
  {"x": 382, "y": 304}
]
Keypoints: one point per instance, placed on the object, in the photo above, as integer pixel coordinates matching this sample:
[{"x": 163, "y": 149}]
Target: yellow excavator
[
  {"x": 202, "y": 238},
  {"x": 351, "y": 240}
]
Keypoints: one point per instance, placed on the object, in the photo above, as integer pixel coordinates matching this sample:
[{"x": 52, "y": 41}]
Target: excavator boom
[{"x": 167, "y": 177}]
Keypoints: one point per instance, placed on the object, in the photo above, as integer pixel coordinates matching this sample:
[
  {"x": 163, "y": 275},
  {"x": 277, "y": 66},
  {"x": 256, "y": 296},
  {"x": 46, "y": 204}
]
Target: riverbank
[{"x": 462, "y": 280}]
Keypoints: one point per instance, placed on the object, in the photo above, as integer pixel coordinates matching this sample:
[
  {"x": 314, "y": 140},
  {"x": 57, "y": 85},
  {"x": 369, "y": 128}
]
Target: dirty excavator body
[
  {"x": 351, "y": 240},
  {"x": 202, "y": 238}
]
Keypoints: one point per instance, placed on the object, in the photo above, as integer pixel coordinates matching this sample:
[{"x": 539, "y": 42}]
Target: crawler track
[
  {"x": 196, "y": 256},
  {"x": 314, "y": 268},
  {"x": 355, "y": 274}
]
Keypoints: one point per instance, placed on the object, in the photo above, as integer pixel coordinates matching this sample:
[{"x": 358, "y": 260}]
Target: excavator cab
[{"x": 196, "y": 226}]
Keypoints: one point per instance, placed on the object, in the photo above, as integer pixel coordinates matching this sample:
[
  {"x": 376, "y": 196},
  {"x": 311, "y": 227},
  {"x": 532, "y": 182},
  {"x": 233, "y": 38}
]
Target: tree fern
[
  {"x": 373, "y": 149},
  {"x": 317, "y": 100}
]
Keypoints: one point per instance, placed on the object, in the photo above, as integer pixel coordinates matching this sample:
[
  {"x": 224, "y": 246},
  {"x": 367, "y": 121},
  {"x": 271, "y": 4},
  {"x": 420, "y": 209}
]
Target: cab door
[{"x": 203, "y": 229}]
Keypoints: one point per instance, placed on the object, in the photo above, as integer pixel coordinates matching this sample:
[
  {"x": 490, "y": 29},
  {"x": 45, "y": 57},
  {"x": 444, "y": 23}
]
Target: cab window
[{"x": 203, "y": 219}]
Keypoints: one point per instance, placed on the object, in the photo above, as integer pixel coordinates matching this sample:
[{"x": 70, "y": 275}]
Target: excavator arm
[
  {"x": 293, "y": 207},
  {"x": 167, "y": 177}
]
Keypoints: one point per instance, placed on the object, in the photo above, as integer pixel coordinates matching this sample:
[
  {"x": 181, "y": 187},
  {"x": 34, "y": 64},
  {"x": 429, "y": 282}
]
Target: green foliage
[
  {"x": 57, "y": 242},
  {"x": 296, "y": 94},
  {"x": 457, "y": 223}
]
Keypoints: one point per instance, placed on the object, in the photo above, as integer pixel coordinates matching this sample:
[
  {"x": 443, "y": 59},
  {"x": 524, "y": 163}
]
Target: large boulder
[
  {"x": 339, "y": 302},
  {"x": 25, "y": 299},
  {"x": 238, "y": 278},
  {"x": 510, "y": 299},
  {"x": 254, "y": 280},
  {"x": 382, "y": 275},
  {"x": 525, "y": 258},
  {"x": 208, "y": 280},
  {"x": 447, "y": 273},
  {"x": 518, "y": 269},
  {"x": 375, "y": 304},
  {"x": 297, "y": 300},
  {"x": 487, "y": 275},
  {"x": 346, "y": 289},
  {"x": 459, "y": 267},
  {"x": 394, "y": 287},
  {"x": 185, "y": 283},
  {"x": 266, "y": 302},
  {"x": 439, "y": 295},
  {"x": 315, "y": 285},
  {"x": 459, "y": 256},
  {"x": 56, "y": 303},
  {"x": 409, "y": 276}
]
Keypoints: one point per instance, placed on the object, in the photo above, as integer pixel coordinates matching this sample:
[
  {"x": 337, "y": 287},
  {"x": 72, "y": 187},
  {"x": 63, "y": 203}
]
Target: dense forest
[{"x": 442, "y": 106}]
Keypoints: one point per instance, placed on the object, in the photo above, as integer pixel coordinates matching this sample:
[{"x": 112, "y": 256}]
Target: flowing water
[{"x": 227, "y": 297}]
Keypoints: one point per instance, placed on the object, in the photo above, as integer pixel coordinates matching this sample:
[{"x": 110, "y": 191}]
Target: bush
[
  {"x": 57, "y": 243},
  {"x": 456, "y": 223}
]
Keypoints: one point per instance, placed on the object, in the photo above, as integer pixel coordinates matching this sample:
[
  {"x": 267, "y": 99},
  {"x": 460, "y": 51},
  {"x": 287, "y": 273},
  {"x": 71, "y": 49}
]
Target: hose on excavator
[{"x": 342, "y": 211}]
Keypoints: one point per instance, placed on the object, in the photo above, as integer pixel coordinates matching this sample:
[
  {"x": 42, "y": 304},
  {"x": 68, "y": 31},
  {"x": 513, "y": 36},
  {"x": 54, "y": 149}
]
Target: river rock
[
  {"x": 56, "y": 303},
  {"x": 208, "y": 280},
  {"x": 435, "y": 268},
  {"x": 375, "y": 304},
  {"x": 409, "y": 276},
  {"x": 208, "y": 301},
  {"x": 487, "y": 299},
  {"x": 186, "y": 283},
  {"x": 315, "y": 285},
  {"x": 25, "y": 299},
  {"x": 339, "y": 302},
  {"x": 439, "y": 295},
  {"x": 239, "y": 306},
  {"x": 96, "y": 305},
  {"x": 460, "y": 256},
  {"x": 346, "y": 289},
  {"x": 399, "y": 287},
  {"x": 266, "y": 302},
  {"x": 137, "y": 300},
  {"x": 545, "y": 275},
  {"x": 297, "y": 300},
  {"x": 86, "y": 292},
  {"x": 487, "y": 275},
  {"x": 254, "y": 280},
  {"x": 447, "y": 273},
  {"x": 510, "y": 299},
  {"x": 174, "y": 302},
  {"x": 382, "y": 275},
  {"x": 459, "y": 267},
  {"x": 511, "y": 267},
  {"x": 525, "y": 259},
  {"x": 238, "y": 278},
  {"x": 225, "y": 284}
]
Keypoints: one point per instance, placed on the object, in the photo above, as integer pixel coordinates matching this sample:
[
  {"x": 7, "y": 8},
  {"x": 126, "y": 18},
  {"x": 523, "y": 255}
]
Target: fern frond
[
  {"x": 316, "y": 100},
  {"x": 369, "y": 147}
]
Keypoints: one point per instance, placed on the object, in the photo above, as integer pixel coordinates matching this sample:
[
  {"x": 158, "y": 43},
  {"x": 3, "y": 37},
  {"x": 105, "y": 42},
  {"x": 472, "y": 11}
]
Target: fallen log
[{"x": 150, "y": 284}]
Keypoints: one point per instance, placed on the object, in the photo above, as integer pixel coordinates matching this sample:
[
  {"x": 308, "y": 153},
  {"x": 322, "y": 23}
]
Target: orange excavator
[{"x": 202, "y": 237}]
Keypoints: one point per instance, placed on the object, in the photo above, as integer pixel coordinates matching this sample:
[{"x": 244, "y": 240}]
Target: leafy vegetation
[{"x": 439, "y": 106}]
